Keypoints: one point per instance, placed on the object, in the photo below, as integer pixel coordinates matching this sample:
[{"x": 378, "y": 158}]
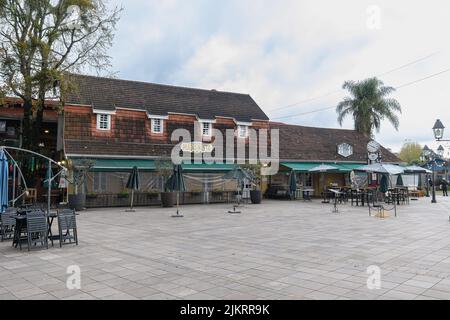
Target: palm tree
[{"x": 369, "y": 105}]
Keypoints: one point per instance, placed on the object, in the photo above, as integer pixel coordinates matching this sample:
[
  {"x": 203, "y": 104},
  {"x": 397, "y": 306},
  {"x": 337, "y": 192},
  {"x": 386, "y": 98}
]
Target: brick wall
[{"x": 131, "y": 130}]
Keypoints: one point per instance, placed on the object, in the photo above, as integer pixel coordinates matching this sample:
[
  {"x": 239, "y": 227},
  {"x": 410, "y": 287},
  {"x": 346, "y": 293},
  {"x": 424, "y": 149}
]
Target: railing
[{"x": 152, "y": 199}]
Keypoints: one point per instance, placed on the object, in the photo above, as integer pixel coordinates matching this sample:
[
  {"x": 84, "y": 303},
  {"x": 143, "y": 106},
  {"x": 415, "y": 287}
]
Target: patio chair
[
  {"x": 67, "y": 226},
  {"x": 7, "y": 223},
  {"x": 37, "y": 228}
]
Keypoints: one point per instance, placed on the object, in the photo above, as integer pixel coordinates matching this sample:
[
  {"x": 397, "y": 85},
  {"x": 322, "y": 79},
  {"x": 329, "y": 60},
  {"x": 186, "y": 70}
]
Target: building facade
[{"x": 108, "y": 126}]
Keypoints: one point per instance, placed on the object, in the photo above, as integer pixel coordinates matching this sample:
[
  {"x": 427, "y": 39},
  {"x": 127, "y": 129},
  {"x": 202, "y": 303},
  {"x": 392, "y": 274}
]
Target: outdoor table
[
  {"x": 306, "y": 194},
  {"x": 50, "y": 217},
  {"x": 21, "y": 222},
  {"x": 336, "y": 193}
]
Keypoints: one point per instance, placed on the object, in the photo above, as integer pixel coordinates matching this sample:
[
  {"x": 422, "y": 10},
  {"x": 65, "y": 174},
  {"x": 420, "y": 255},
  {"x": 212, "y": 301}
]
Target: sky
[{"x": 289, "y": 51}]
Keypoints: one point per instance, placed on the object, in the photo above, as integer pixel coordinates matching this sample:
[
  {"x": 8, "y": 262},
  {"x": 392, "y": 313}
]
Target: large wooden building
[{"x": 115, "y": 125}]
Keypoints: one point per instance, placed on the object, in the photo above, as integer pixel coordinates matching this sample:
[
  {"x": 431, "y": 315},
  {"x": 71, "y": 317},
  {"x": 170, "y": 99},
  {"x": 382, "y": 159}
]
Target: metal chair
[
  {"x": 37, "y": 228},
  {"x": 67, "y": 226},
  {"x": 7, "y": 223}
]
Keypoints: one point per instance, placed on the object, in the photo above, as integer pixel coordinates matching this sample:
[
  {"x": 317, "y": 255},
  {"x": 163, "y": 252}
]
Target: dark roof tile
[{"x": 108, "y": 93}]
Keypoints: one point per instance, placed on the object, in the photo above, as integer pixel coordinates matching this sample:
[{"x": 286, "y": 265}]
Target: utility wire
[
  {"x": 398, "y": 87},
  {"x": 338, "y": 91}
]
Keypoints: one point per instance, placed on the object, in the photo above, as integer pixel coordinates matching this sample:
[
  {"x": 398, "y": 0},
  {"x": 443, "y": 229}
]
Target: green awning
[
  {"x": 102, "y": 164},
  {"x": 300, "y": 166},
  {"x": 348, "y": 167},
  {"x": 306, "y": 166},
  {"x": 220, "y": 167}
]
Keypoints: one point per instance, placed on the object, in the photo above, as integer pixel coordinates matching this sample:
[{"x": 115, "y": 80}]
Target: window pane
[
  {"x": 206, "y": 128},
  {"x": 103, "y": 121},
  {"x": 157, "y": 125}
]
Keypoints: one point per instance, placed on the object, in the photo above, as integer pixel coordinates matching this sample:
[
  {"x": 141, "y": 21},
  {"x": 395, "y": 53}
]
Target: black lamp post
[{"x": 430, "y": 156}]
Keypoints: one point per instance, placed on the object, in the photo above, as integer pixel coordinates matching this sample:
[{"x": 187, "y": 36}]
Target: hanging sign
[{"x": 197, "y": 147}]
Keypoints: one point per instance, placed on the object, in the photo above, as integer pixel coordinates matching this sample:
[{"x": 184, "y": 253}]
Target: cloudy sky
[{"x": 293, "y": 56}]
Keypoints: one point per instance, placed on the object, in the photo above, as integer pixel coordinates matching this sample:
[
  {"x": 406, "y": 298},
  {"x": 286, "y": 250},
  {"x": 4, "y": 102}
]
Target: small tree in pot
[
  {"x": 77, "y": 200},
  {"x": 165, "y": 170},
  {"x": 255, "y": 170}
]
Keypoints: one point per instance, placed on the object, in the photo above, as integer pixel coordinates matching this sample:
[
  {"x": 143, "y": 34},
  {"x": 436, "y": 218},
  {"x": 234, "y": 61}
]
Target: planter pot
[
  {"x": 256, "y": 196},
  {"x": 168, "y": 199},
  {"x": 77, "y": 201}
]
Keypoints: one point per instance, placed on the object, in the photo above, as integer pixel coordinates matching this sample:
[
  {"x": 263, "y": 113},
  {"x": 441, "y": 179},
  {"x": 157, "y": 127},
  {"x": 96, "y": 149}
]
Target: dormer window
[
  {"x": 242, "y": 131},
  {"x": 157, "y": 126},
  {"x": 206, "y": 129},
  {"x": 103, "y": 121}
]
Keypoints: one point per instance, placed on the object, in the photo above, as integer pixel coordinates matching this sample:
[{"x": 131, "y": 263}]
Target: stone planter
[
  {"x": 256, "y": 196},
  {"x": 168, "y": 199},
  {"x": 77, "y": 201}
]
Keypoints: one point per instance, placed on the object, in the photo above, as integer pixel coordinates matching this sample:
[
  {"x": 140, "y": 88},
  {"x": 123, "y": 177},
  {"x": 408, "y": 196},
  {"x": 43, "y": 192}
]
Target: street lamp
[
  {"x": 438, "y": 130},
  {"x": 430, "y": 156},
  {"x": 440, "y": 151}
]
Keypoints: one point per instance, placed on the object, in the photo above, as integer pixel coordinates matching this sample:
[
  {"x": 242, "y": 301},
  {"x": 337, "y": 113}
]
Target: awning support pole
[{"x": 49, "y": 182}]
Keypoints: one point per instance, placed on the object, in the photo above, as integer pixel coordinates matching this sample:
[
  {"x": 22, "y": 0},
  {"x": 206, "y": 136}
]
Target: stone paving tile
[{"x": 312, "y": 254}]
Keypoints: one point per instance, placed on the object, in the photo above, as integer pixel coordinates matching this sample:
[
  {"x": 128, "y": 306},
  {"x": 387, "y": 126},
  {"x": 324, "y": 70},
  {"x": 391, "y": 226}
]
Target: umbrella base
[
  {"x": 177, "y": 215},
  {"x": 130, "y": 210},
  {"x": 234, "y": 211}
]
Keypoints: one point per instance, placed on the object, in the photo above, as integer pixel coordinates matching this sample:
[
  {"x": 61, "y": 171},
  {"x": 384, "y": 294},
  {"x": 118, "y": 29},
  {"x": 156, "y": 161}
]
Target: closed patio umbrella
[
  {"x": 3, "y": 181},
  {"x": 176, "y": 183},
  {"x": 239, "y": 175},
  {"x": 292, "y": 184},
  {"x": 133, "y": 184},
  {"x": 399, "y": 180},
  {"x": 384, "y": 184}
]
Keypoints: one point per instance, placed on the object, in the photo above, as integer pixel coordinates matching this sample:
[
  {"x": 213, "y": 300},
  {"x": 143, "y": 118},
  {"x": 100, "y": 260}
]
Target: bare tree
[{"x": 42, "y": 42}]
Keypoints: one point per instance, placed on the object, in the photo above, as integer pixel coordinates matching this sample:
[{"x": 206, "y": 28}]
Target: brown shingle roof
[
  {"x": 320, "y": 144},
  {"x": 107, "y": 94}
]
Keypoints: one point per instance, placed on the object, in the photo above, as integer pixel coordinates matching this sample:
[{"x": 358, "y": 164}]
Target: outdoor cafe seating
[{"x": 31, "y": 224}]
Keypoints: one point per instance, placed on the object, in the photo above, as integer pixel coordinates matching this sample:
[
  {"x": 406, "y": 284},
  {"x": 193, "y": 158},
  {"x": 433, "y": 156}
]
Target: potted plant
[
  {"x": 152, "y": 194},
  {"x": 165, "y": 170},
  {"x": 255, "y": 193},
  {"x": 123, "y": 194},
  {"x": 77, "y": 200},
  {"x": 91, "y": 195}
]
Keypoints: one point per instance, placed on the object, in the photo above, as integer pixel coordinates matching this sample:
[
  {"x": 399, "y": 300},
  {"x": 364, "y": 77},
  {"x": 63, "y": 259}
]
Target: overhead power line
[
  {"x": 338, "y": 91},
  {"x": 398, "y": 87}
]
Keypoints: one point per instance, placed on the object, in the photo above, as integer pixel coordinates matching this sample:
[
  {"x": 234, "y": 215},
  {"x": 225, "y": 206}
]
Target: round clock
[{"x": 373, "y": 146}]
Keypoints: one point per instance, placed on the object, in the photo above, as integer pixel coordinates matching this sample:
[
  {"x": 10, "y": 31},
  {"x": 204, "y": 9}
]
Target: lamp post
[{"x": 430, "y": 156}]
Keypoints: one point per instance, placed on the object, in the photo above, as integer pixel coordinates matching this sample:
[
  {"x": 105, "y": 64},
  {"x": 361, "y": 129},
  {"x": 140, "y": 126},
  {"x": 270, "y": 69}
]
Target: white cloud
[{"x": 282, "y": 52}]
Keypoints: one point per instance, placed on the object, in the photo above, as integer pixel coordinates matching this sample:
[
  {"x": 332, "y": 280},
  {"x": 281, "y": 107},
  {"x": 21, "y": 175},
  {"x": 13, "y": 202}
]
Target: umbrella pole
[
  {"x": 132, "y": 198},
  {"x": 178, "y": 215}
]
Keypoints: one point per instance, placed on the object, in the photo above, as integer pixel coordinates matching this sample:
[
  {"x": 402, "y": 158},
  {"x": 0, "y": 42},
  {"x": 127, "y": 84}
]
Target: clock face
[
  {"x": 373, "y": 146},
  {"x": 345, "y": 150},
  {"x": 373, "y": 156}
]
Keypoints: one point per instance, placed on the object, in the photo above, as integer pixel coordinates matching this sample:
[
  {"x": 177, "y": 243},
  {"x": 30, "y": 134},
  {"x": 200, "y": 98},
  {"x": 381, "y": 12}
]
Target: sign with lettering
[{"x": 196, "y": 147}]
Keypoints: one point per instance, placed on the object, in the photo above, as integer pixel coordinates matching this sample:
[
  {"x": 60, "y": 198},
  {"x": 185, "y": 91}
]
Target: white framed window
[
  {"x": 157, "y": 126},
  {"x": 206, "y": 129},
  {"x": 242, "y": 131},
  {"x": 103, "y": 121}
]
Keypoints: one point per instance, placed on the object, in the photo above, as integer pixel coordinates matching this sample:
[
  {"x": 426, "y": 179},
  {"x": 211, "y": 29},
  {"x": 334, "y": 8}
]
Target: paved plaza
[{"x": 276, "y": 250}]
